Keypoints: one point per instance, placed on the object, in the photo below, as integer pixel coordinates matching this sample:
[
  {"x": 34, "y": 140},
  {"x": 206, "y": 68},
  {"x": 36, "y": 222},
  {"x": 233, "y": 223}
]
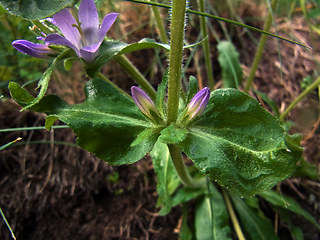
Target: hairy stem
[
  {"x": 308, "y": 90},
  {"x": 175, "y": 58},
  {"x": 136, "y": 75},
  {"x": 261, "y": 45}
]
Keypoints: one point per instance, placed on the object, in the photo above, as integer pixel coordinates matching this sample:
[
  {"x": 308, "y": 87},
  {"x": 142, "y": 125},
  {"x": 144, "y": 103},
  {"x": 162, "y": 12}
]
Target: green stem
[
  {"x": 206, "y": 47},
  {"x": 103, "y": 77},
  {"x": 233, "y": 216},
  {"x": 42, "y": 27},
  {"x": 178, "y": 163},
  {"x": 160, "y": 26},
  {"x": 136, "y": 75},
  {"x": 261, "y": 45},
  {"x": 175, "y": 58},
  {"x": 308, "y": 90},
  {"x": 8, "y": 225}
]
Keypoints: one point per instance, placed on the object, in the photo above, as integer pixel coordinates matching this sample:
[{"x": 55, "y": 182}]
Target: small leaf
[
  {"x": 161, "y": 93},
  {"x": 168, "y": 180},
  {"x": 288, "y": 204},
  {"x": 230, "y": 65},
  {"x": 185, "y": 232},
  {"x": 256, "y": 226},
  {"x": 212, "y": 219},
  {"x": 240, "y": 145},
  {"x": 19, "y": 94},
  {"x": 50, "y": 121},
  {"x": 36, "y": 9},
  {"x": 186, "y": 194},
  {"x": 173, "y": 135}
]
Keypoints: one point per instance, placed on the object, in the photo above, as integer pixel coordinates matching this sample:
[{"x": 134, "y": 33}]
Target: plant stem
[
  {"x": 206, "y": 47},
  {"x": 261, "y": 45},
  {"x": 178, "y": 163},
  {"x": 308, "y": 90},
  {"x": 233, "y": 216},
  {"x": 103, "y": 77},
  {"x": 160, "y": 26},
  {"x": 175, "y": 58},
  {"x": 136, "y": 75}
]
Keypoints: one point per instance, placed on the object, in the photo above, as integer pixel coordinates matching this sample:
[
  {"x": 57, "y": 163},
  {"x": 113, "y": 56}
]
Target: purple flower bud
[
  {"x": 198, "y": 103},
  {"x": 33, "y": 49},
  {"x": 145, "y": 104}
]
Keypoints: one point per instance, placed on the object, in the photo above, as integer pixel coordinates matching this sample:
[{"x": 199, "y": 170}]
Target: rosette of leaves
[{"x": 234, "y": 142}]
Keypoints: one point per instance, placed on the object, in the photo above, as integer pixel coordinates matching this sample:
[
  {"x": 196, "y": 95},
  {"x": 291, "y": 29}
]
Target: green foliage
[
  {"x": 229, "y": 62},
  {"x": 106, "y": 123},
  {"x": 254, "y": 224},
  {"x": 287, "y": 204},
  {"x": 212, "y": 219},
  {"x": 239, "y": 144},
  {"x": 36, "y": 9},
  {"x": 168, "y": 180}
]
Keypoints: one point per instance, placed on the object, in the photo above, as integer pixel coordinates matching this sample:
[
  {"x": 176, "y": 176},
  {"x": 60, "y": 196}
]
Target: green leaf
[
  {"x": 212, "y": 219},
  {"x": 50, "y": 121},
  {"x": 36, "y": 9},
  {"x": 186, "y": 194},
  {"x": 288, "y": 204},
  {"x": 306, "y": 170},
  {"x": 161, "y": 93},
  {"x": 111, "y": 48},
  {"x": 168, "y": 180},
  {"x": 173, "y": 135},
  {"x": 185, "y": 233},
  {"x": 256, "y": 226},
  {"x": 25, "y": 100},
  {"x": 295, "y": 231},
  {"x": 19, "y": 94},
  {"x": 230, "y": 65},
  {"x": 239, "y": 144},
  {"x": 106, "y": 124}
]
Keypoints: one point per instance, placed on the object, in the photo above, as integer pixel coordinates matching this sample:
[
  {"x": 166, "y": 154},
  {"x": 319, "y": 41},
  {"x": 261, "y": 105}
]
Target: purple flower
[
  {"x": 196, "y": 106},
  {"x": 33, "y": 49},
  {"x": 85, "y": 36},
  {"x": 145, "y": 104}
]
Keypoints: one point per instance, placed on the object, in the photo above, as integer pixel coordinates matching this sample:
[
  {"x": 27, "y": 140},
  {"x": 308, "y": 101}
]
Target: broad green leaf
[
  {"x": 212, "y": 219},
  {"x": 19, "y": 94},
  {"x": 229, "y": 62},
  {"x": 106, "y": 124},
  {"x": 255, "y": 226},
  {"x": 36, "y": 9},
  {"x": 168, "y": 180},
  {"x": 288, "y": 204},
  {"x": 240, "y": 145}
]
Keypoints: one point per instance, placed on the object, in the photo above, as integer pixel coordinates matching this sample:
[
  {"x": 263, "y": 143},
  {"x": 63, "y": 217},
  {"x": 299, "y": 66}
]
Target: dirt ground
[{"x": 54, "y": 190}]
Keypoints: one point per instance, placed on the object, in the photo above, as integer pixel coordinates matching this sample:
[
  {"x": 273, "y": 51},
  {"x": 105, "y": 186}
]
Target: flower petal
[
  {"x": 88, "y": 15},
  {"x": 33, "y": 49},
  {"x": 66, "y": 23},
  {"x": 89, "y": 53},
  {"x": 59, "y": 40},
  {"x": 107, "y": 22}
]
